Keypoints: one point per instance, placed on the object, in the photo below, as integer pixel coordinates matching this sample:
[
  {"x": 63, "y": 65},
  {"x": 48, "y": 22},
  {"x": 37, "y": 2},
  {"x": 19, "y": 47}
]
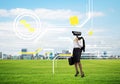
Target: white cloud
[
  {"x": 56, "y": 14},
  {"x": 3, "y": 13},
  {"x": 97, "y": 14},
  {"x": 50, "y": 14},
  {"x": 13, "y": 12},
  {"x": 42, "y": 13}
]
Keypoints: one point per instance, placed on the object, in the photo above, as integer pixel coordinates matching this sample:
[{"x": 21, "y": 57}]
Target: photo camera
[{"x": 76, "y": 33}]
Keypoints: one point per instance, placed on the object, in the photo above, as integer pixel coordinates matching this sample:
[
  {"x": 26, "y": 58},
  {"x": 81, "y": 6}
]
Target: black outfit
[{"x": 77, "y": 54}]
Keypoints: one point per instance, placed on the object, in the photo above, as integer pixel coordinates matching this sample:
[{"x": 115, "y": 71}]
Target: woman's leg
[
  {"x": 76, "y": 68},
  {"x": 81, "y": 71},
  {"x": 80, "y": 66}
]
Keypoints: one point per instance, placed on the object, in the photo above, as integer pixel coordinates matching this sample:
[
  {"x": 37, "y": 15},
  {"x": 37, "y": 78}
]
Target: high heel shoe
[
  {"x": 76, "y": 73},
  {"x": 82, "y": 75}
]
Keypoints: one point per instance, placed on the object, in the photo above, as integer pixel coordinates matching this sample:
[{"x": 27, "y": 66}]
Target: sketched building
[
  {"x": 23, "y": 55},
  {"x": 0, "y": 55}
]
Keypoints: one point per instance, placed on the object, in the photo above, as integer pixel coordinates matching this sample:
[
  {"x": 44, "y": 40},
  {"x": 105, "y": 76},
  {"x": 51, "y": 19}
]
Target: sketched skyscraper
[
  {"x": 0, "y": 55},
  {"x": 22, "y": 55}
]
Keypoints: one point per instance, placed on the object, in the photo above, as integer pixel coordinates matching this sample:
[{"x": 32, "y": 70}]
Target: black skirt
[{"x": 77, "y": 54}]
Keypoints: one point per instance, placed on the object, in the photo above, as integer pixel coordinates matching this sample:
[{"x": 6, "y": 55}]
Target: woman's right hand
[{"x": 76, "y": 39}]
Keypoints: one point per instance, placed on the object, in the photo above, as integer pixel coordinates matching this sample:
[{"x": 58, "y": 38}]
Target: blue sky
[
  {"x": 105, "y": 23},
  {"x": 52, "y": 4}
]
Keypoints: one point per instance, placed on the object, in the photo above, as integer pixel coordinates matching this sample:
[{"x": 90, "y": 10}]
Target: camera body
[{"x": 76, "y": 33}]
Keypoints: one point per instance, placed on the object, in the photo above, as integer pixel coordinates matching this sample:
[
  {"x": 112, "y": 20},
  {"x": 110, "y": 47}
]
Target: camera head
[{"x": 76, "y": 33}]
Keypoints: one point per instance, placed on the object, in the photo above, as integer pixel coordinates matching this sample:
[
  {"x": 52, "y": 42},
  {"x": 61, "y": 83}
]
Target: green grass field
[{"x": 40, "y": 72}]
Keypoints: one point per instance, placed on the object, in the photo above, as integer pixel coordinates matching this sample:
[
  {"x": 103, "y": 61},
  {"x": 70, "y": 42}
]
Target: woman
[{"x": 77, "y": 50}]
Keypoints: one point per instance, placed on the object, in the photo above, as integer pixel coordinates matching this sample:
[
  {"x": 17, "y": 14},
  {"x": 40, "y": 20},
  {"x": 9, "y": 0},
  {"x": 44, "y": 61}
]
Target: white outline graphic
[
  {"x": 90, "y": 9},
  {"x": 85, "y": 21},
  {"x": 23, "y": 36}
]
